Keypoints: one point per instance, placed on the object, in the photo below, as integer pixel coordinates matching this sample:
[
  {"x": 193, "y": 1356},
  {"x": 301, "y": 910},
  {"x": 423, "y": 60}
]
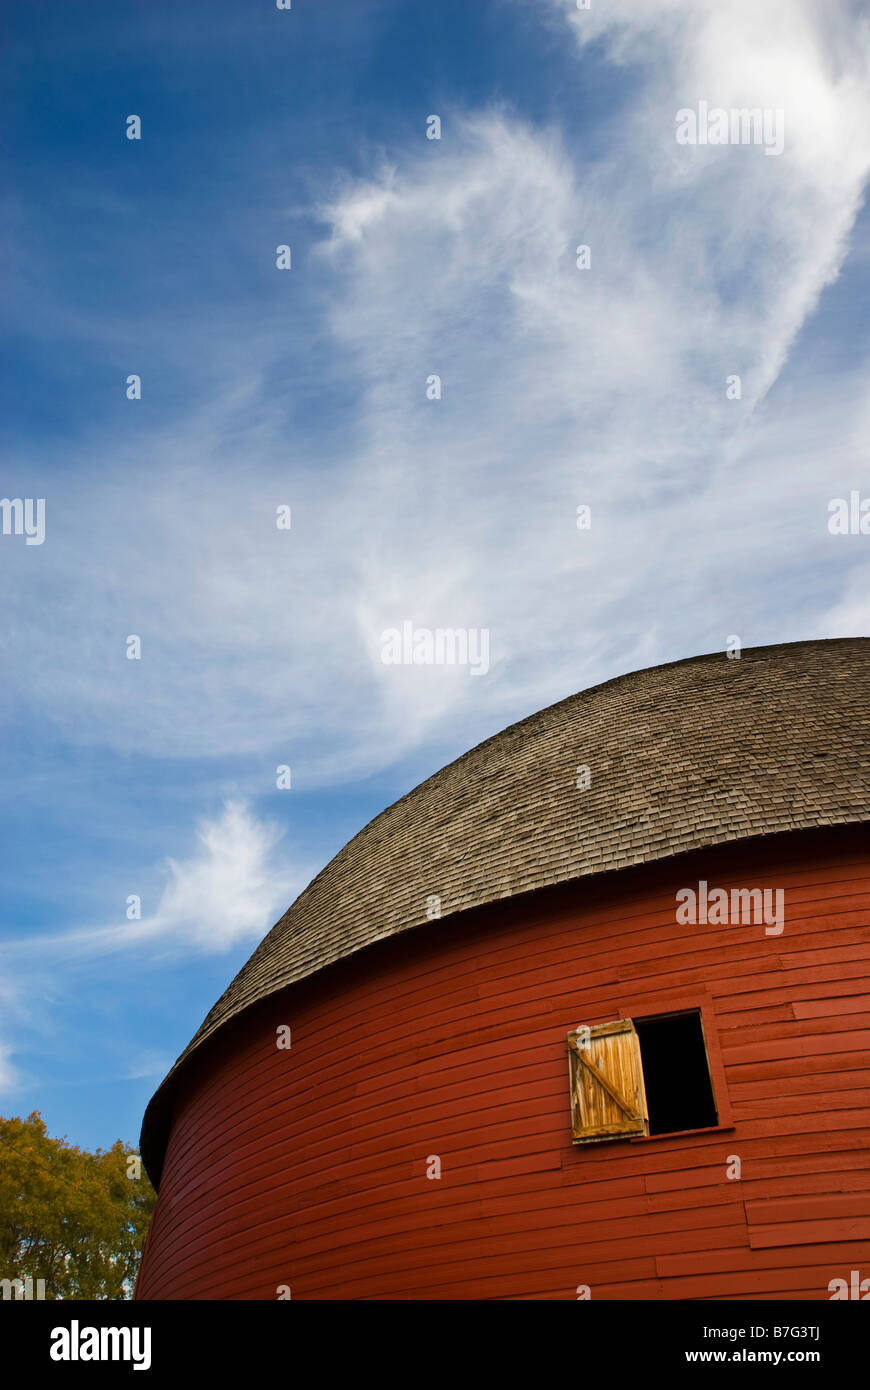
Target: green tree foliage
[{"x": 73, "y": 1218}]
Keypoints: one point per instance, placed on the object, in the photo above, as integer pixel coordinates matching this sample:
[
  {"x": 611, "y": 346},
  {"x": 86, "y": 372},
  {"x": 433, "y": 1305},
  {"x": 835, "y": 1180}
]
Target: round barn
[{"x": 583, "y": 1015}]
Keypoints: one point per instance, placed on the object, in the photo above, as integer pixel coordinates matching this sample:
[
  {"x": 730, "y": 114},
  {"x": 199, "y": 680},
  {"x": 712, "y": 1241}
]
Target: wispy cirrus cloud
[
  {"x": 561, "y": 386},
  {"x": 765, "y": 234},
  {"x": 8, "y": 1075},
  {"x": 231, "y": 889}
]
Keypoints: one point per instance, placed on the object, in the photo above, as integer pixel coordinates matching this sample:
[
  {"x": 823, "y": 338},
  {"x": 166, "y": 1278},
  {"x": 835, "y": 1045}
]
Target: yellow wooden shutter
[{"x": 607, "y": 1095}]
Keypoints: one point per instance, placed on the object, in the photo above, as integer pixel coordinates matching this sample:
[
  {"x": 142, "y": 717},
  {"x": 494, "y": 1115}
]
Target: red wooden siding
[{"x": 307, "y": 1167}]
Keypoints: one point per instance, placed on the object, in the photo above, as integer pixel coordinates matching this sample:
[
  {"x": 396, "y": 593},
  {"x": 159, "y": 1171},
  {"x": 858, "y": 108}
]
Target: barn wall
[{"x": 308, "y": 1167}]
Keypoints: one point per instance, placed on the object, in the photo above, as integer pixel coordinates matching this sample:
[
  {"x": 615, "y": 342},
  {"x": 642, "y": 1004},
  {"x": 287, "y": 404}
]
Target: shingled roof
[{"x": 681, "y": 756}]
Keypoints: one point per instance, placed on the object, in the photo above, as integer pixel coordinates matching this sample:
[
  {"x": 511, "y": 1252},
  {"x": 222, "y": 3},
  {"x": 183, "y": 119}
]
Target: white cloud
[
  {"x": 148, "y": 1063},
  {"x": 16, "y": 1017},
  {"x": 605, "y": 386},
  {"x": 231, "y": 889},
  {"x": 8, "y": 1075},
  {"x": 561, "y": 386},
  {"x": 850, "y": 614}
]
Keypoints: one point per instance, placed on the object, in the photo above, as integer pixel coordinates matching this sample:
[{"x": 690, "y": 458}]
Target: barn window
[{"x": 640, "y": 1076}]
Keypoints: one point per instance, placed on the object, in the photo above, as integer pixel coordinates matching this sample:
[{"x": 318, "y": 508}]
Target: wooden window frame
[{"x": 689, "y": 1001}]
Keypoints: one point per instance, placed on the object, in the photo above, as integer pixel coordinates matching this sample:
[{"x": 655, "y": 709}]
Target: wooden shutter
[{"x": 607, "y": 1095}]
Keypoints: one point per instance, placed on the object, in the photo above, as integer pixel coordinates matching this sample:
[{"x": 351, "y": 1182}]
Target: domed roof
[{"x": 680, "y": 757}]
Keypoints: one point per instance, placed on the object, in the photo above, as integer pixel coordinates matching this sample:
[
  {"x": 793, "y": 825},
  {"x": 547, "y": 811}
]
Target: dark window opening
[{"x": 676, "y": 1073}]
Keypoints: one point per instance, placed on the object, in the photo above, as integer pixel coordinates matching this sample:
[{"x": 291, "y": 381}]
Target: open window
[{"x": 641, "y": 1076}]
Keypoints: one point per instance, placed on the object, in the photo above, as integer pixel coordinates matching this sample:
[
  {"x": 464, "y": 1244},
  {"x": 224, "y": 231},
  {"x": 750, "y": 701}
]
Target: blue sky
[{"x": 261, "y": 388}]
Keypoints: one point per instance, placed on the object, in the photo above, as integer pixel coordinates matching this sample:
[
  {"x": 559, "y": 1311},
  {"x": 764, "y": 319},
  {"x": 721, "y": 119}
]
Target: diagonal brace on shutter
[{"x": 602, "y": 1080}]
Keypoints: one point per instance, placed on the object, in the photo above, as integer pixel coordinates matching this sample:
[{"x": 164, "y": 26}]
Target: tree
[{"x": 72, "y": 1218}]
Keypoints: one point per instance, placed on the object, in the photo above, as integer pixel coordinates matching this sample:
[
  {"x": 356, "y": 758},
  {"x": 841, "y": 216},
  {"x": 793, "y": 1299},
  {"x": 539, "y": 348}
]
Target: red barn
[{"x": 583, "y": 1015}]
